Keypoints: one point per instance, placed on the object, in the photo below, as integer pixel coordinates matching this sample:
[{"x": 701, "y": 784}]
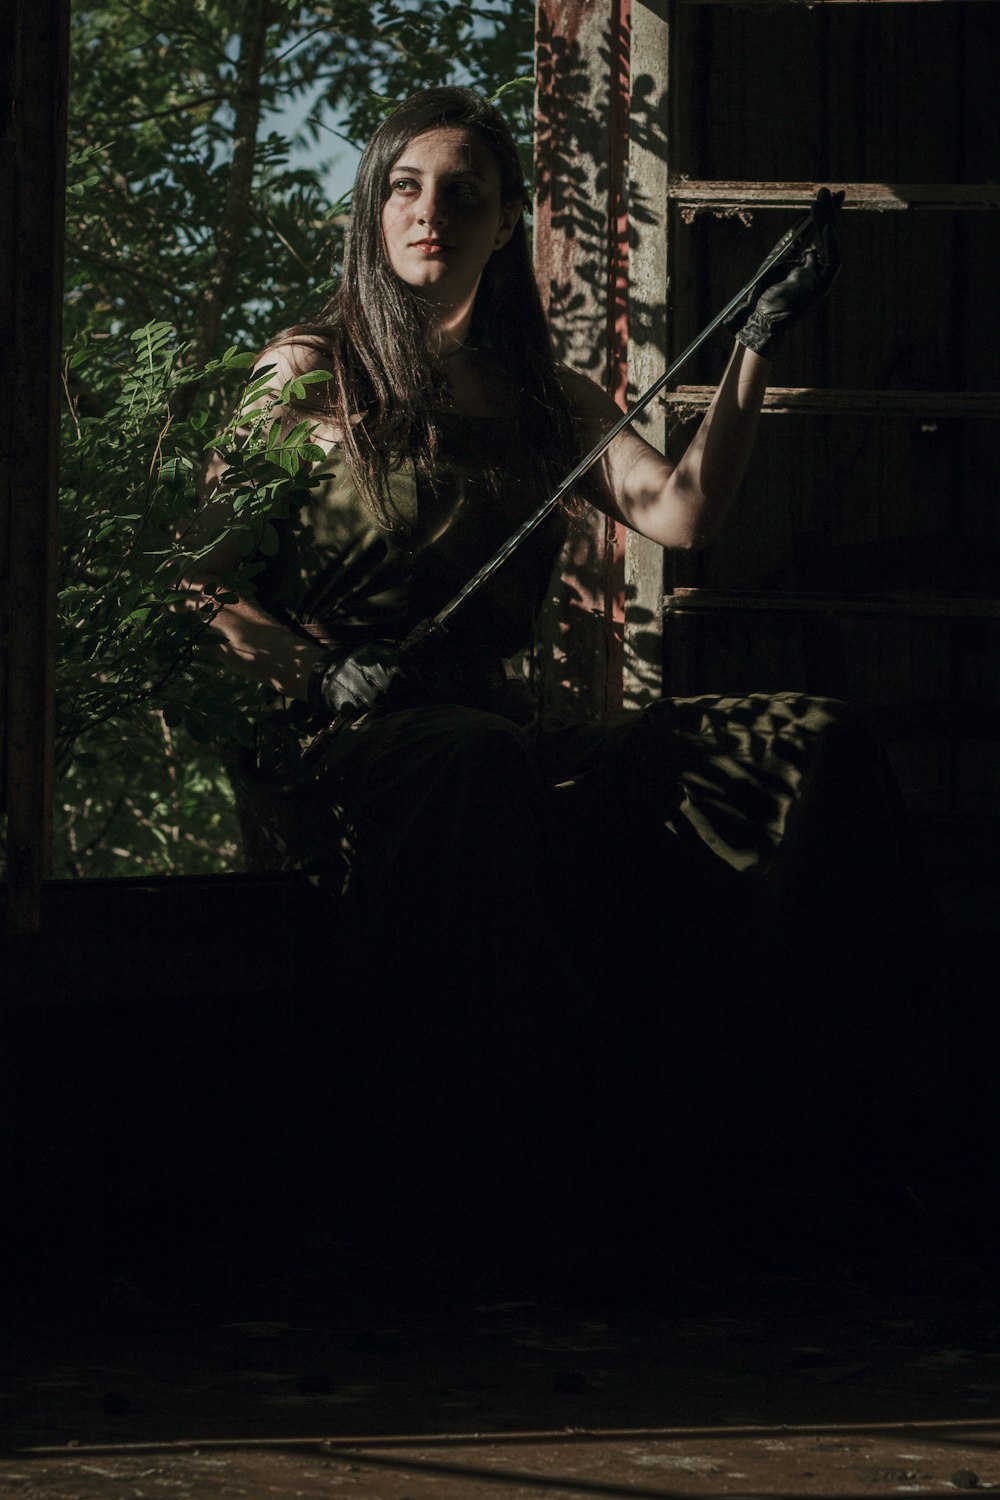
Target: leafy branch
[{"x": 192, "y": 226}]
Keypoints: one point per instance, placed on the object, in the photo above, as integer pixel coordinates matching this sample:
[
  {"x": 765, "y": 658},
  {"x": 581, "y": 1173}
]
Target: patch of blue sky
[{"x": 324, "y": 147}]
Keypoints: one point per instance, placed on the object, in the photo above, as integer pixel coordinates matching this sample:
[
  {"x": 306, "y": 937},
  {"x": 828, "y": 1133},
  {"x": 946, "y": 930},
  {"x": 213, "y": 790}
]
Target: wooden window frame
[{"x": 34, "y": 48}]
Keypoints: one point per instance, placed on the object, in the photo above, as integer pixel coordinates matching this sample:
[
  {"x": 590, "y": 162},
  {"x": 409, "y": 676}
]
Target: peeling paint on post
[{"x": 581, "y": 257}]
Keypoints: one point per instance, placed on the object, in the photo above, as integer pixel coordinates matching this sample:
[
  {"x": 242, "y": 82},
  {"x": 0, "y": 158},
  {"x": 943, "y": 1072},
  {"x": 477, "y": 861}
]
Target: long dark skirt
[{"x": 596, "y": 972}]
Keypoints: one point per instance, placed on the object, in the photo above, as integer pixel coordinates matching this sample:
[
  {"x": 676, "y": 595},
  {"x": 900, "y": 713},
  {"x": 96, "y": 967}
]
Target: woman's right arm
[
  {"x": 246, "y": 636},
  {"x": 252, "y": 641}
]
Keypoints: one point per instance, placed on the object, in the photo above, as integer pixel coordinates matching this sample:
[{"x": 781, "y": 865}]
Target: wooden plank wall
[
  {"x": 864, "y": 499},
  {"x": 860, "y": 94}
]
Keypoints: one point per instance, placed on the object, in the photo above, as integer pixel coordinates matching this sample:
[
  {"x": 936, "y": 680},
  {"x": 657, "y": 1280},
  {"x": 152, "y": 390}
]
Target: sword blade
[{"x": 428, "y": 628}]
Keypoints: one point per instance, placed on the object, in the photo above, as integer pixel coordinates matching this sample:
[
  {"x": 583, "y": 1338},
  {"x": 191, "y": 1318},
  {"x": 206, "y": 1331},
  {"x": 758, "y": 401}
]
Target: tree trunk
[{"x": 239, "y": 192}]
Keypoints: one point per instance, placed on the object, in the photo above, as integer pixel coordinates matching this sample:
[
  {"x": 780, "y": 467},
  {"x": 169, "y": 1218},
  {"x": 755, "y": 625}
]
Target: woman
[{"x": 471, "y": 848}]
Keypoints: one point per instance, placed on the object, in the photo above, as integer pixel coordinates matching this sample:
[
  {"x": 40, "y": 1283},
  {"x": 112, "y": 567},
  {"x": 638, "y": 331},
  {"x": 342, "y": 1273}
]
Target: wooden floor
[
  {"x": 874, "y": 1370},
  {"x": 842, "y": 1348}
]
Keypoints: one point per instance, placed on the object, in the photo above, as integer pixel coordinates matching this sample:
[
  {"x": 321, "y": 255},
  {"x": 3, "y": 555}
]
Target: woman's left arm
[
  {"x": 679, "y": 506},
  {"x": 684, "y": 506}
]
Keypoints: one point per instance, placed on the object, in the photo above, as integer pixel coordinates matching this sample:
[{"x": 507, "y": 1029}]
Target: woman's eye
[{"x": 460, "y": 192}]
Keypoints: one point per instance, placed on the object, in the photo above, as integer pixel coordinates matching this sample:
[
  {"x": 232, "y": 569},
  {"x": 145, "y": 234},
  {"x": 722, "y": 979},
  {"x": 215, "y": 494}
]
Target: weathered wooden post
[
  {"x": 34, "y": 47},
  {"x": 581, "y": 256}
]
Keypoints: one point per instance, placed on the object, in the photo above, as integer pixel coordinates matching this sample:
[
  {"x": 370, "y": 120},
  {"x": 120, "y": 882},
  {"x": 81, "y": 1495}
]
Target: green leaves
[
  {"x": 80, "y": 178},
  {"x": 132, "y": 658},
  {"x": 146, "y": 714}
]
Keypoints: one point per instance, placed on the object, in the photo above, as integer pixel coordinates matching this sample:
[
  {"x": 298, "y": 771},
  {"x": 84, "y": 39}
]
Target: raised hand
[{"x": 793, "y": 284}]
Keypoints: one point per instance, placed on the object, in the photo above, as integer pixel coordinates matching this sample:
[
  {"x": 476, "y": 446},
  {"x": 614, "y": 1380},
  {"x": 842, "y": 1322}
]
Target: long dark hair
[{"x": 385, "y": 383}]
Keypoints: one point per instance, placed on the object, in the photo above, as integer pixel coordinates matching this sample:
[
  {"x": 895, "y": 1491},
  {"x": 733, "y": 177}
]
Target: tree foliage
[{"x": 192, "y": 236}]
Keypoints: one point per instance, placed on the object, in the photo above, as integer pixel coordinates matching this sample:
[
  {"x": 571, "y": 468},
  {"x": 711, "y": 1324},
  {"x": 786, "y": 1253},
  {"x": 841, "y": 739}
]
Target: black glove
[
  {"x": 793, "y": 284},
  {"x": 355, "y": 683}
]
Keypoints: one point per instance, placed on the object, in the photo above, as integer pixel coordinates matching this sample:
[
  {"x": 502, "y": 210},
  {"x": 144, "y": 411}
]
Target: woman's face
[{"x": 445, "y": 215}]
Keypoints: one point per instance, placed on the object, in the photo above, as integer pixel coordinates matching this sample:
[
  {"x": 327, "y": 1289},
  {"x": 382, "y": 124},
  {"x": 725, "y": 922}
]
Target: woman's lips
[{"x": 431, "y": 247}]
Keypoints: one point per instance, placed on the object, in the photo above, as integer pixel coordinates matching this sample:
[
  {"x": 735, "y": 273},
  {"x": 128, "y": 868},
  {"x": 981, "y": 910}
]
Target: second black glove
[{"x": 355, "y": 683}]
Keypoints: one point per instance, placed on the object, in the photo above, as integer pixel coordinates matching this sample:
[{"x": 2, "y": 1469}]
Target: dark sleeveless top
[{"x": 339, "y": 578}]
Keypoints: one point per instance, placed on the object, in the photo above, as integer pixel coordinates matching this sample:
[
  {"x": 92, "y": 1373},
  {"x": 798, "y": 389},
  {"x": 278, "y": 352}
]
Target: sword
[{"x": 434, "y": 626}]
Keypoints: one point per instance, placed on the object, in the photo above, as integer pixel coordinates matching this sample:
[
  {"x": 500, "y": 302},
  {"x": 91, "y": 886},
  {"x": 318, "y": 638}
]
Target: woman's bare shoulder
[
  {"x": 589, "y": 401},
  {"x": 294, "y": 354},
  {"x": 287, "y": 359}
]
